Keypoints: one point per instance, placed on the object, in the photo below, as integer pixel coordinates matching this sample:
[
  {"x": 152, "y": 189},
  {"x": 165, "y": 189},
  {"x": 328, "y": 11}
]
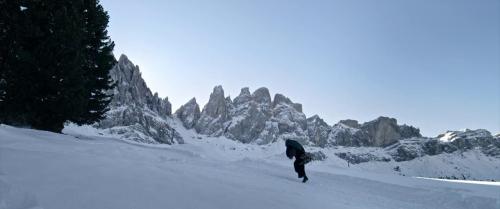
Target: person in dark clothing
[{"x": 294, "y": 149}]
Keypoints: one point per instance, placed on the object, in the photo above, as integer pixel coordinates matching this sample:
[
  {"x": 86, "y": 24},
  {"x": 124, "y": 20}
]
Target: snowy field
[{"x": 82, "y": 169}]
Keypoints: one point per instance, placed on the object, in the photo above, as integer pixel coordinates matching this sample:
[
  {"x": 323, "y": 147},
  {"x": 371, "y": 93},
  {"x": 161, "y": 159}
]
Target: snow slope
[{"x": 83, "y": 169}]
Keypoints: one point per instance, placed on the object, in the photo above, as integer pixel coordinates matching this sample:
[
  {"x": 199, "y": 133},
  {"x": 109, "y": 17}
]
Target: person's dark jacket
[{"x": 294, "y": 149}]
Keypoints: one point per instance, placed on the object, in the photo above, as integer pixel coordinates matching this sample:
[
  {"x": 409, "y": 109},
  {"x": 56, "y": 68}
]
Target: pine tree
[
  {"x": 55, "y": 59},
  {"x": 97, "y": 62},
  {"x": 11, "y": 52}
]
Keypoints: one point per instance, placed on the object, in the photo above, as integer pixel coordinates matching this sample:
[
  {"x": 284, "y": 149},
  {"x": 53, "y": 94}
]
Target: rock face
[
  {"x": 249, "y": 113},
  {"x": 291, "y": 123},
  {"x": 214, "y": 114},
  {"x": 383, "y": 131},
  {"x": 469, "y": 139},
  {"x": 132, "y": 90},
  {"x": 252, "y": 117},
  {"x": 256, "y": 118},
  {"x": 139, "y": 115},
  {"x": 189, "y": 113},
  {"x": 361, "y": 158},
  {"x": 448, "y": 142},
  {"x": 416, "y": 147},
  {"x": 380, "y": 132},
  {"x": 350, "y": 123},
  {"x": 318, "y": 131},
  {"x": 135, "y": 113}
]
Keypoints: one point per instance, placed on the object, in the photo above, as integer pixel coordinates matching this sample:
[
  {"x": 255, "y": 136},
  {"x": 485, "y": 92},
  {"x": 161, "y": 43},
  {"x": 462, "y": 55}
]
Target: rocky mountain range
[
  {"x": 251, "y": 117},
  {"x": 136, "y": 113},
  {"x": 256, "y": 117}
]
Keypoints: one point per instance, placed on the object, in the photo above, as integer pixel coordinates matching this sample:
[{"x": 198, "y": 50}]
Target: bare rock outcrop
[
  {"x": 189, "y": 113},
  {"x": 135, "y": 113}
]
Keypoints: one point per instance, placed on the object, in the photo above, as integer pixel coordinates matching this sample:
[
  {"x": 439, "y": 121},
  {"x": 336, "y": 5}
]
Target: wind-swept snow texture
[{"x": 53, "y": 171}]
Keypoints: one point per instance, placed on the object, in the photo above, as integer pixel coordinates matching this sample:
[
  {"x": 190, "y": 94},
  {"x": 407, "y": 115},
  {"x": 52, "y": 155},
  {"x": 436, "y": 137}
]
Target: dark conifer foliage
[
  {"x": 98, "y": 60},
  {"x": 55, "y": 57}
]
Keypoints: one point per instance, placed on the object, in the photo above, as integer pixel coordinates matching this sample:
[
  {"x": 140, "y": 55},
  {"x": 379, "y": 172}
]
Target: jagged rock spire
[
  {"x": 214, "y": 114},
  {"x": 134, "y": 109},
  {"x": 189, "y": 113}
]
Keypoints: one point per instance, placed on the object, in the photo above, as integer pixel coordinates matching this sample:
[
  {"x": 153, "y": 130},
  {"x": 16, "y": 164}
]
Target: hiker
[{"x": 294, "y": 149}]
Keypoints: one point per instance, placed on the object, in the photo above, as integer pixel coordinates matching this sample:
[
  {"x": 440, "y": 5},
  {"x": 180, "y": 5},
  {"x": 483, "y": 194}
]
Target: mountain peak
[
  {"x": 192, "y": 100},
  {"x": 189, "y": 113},
  {"x": 245, "y": 91},
  {"x": 123, "y": 57},
  {"x": 280, "y": 98},
  {"x": 135, "y": 107},
  {"x": 261, "y": 95},
  {"x": 218, "y": 90}
]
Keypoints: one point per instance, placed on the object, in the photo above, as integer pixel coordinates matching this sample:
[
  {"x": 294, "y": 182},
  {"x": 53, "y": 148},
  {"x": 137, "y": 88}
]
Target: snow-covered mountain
[
  {"x": 137, "y": 114},
  {"x": 257, "y": 118},
  {"x": 252, "y": 117},
  {"x": 449, "y": 142},
  {"x": 380, "y": 132},
  {"x": 189, "y": 113}
]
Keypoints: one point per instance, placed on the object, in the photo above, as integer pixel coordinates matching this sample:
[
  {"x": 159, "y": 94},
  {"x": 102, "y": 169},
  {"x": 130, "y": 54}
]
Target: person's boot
[
  {"x": 299, "y": 176},
  {"x": 305, "y": 179}
]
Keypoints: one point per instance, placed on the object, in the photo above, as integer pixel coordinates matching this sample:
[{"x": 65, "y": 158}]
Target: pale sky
[{"x": 431, "y": 64}]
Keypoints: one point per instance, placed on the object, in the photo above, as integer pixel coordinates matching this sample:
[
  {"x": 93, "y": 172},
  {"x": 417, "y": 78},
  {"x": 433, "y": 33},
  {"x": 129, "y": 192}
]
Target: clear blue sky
[{"x": 431, "y": 64}]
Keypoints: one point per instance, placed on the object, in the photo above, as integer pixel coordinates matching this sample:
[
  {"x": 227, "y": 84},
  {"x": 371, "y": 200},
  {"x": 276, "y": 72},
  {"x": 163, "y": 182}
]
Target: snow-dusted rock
[
  {"x": 356, "y": 158},
  {"x": 255, "y": 118},
  {"x": 249, "y": 114},
  {"x": 135, "y": 113},
  {"x": 318, "y": 131},
  {"x": 262, "y": 96},
  {"x": 244, "y": 97},
  {"x": 380, "y": 132},
  {"x": 214, "y": 114},
  {"x": 350, "y": 123},
  {"x": 384, "y": 131},
  {"x": 281, "y": 99},
  {"x": 448, "y": 142},
  {"x": 131, "y": 89},
  {"x": 318, "y": 156},
  {"x": 409, "y": 149},
  {"x": 189, "y": 113},
  {"x": 252, "y": 117},
  {"x": 407, "y": 131},
  {"x": 289, "y": 119},
  {"x": 469, "y": 139},
  {"x": 345, "y": 135}
]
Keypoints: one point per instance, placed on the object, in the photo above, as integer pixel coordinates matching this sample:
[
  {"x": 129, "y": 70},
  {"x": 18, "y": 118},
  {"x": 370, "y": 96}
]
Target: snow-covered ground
[{"x": 84, "y": 169}]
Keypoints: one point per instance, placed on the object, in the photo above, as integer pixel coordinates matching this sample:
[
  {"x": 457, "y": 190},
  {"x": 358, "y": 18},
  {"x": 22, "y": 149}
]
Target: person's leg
[
  {"x": 304, "y": 172},
  {"x": 298, "y": 168},
  {"x": 302, "y": 169}
]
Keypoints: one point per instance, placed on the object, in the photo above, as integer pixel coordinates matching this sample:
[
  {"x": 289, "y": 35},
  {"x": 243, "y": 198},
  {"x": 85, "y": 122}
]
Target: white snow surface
[{"x": 85, "y": 168}]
